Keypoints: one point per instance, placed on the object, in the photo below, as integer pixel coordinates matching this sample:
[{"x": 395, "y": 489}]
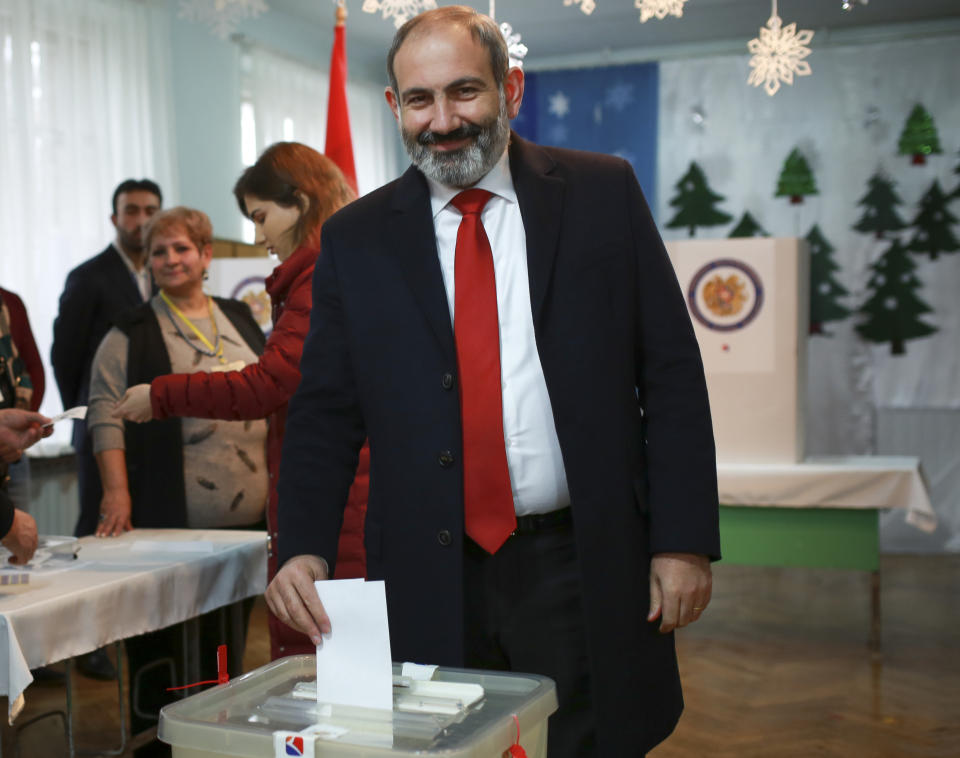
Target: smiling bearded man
[
  {"x": 464, "y": 166},
  {"x": 543, "y": 492}
]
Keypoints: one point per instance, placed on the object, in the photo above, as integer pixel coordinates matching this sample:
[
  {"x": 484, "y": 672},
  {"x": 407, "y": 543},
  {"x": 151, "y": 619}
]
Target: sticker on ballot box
[
  {"x": 292, "y": 744},
  {"x": 302, "y": 743}
]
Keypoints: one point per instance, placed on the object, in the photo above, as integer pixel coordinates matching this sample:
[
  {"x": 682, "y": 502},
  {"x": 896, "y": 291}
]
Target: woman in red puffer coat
[{"x": 288, "y": 194}]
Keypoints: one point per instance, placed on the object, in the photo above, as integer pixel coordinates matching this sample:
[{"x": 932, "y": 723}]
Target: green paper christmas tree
[
  {"x": 893, "y": 309},
  {"x": 695, "y": 202},
  {"x": 933, "y": 234},
  {"x": 919, "y": 136},
  {"x": 747, "y": 226},
  {"x": 796, "y": 178},
  {"x": 825, "y": 290},
  {"x": 880, "y": 208}
]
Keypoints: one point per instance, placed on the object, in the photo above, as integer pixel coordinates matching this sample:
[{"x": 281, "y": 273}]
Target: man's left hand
[{"x": 680, "y": 587}]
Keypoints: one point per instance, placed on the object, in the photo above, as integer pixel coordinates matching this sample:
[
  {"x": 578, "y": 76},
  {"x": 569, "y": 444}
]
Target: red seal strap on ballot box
[{"x": 516, "y": 749}]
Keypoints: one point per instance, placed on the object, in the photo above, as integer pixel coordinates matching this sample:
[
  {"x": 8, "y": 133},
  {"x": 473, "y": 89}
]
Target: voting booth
[
  {"x": 243, "y": 278},
  {"x": 749, "y": 302},
  {"x": 273, "y": 711}
]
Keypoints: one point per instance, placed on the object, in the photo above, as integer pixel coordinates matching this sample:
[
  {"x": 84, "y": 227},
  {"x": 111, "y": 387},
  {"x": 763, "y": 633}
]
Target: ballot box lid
[{"x": 247, "y": 716}]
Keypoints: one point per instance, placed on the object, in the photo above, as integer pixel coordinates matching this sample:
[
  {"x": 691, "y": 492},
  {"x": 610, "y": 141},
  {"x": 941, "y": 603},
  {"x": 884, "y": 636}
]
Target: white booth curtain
[
  {"x": 285, "y": 99},
  {"x": 84, "y": 105}
]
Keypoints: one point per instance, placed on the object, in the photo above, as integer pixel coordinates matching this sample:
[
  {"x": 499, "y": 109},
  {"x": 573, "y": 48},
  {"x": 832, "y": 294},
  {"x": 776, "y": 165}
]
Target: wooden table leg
[{"x": 875, "y": 611}]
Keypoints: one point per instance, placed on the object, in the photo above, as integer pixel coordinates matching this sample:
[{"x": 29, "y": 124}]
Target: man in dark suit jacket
[
  {"x": 96, "y": 292},
  {"x": 605, "y": 423}
]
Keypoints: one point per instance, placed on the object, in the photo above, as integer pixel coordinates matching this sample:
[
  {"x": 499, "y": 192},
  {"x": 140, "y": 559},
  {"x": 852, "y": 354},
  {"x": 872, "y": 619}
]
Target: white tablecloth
[
  {"x": 117, "y": 588},
  {"x": 836, "y": 482}
]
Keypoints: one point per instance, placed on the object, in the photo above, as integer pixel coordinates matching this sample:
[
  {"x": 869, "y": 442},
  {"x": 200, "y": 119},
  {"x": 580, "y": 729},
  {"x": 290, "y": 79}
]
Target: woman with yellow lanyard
[
  {"x": 189, "y": 472},
  {"x": 177, "y": 472}
]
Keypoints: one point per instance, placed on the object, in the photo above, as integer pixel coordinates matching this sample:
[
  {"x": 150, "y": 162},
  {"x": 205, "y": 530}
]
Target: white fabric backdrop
[
  {"x": 846, "y": 118},
  {"x": 289, "y": 101},
  {"x": 84, "y": 105}
]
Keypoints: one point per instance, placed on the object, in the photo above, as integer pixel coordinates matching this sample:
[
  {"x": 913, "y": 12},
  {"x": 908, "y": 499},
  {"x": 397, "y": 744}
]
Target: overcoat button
[
  {"x": 446, "y": 381},
  {"x": 445, "y": 459},
  {"x": 444, "y": 538}
]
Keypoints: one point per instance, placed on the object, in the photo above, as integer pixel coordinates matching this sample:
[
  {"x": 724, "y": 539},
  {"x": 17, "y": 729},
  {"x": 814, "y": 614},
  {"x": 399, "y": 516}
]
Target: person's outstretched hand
[
  {"x": 19, "y": 429},
  {"x": 135, "y": 404}
]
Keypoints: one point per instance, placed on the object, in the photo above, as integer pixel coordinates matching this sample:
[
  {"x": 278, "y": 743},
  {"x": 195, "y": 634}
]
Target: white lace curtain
[
  {"x": 83, "y": 104},
  {"x": 287, "y": 100}
]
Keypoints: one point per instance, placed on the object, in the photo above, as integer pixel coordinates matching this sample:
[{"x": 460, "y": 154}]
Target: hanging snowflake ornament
[
  {"x": 658, "y": 8},
  {"x": 587, "y": 6},
  {"x": 778, "y": 54},
  {"x": 398, "y": 10},
  {"x": 222, "y": 16},
  {"x": 516, "y": 50}
]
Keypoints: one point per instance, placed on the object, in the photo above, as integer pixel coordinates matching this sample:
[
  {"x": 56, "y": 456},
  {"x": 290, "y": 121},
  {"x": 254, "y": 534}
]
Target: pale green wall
[{"x": 205, "y": 97}]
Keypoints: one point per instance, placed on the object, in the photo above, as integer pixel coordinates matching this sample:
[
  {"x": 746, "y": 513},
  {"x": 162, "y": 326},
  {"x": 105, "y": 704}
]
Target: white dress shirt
[
  {"x": 537, "y": 475},
  {"x": 141, "y": 277}
]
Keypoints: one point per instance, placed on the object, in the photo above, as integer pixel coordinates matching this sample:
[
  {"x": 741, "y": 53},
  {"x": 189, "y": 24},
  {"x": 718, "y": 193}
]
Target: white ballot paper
[
  {"x": 77, "y": 412},
  {"x": 354, "y": 666}
]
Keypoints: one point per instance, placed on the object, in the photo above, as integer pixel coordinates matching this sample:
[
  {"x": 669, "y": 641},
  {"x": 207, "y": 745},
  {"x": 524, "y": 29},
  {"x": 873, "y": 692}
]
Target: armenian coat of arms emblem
[{"x": 725, "y": 295}]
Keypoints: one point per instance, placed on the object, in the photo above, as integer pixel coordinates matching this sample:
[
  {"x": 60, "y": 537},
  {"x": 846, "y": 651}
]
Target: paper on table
[
  {"x": 354, "y": 666},
  {"x": 77, "y": 412}
]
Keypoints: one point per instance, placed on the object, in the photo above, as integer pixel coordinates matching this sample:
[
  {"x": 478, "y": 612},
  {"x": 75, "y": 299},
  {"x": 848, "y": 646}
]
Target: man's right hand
[
  {"x": 294, "y": 600},
  {"x": 21, "y": 540}
]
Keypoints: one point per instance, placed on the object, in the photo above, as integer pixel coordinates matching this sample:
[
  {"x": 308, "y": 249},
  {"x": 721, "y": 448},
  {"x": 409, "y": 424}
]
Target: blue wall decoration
[{"x": 612, "y": 110}]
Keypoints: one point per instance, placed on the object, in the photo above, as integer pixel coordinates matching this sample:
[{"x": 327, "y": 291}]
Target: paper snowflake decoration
[
  {"x": 587, "y": 6},
  {"x": 516, "y": 50},
  {"x": 659, "y": 8},
  {"x": 222, "y": 16},
  {"x": 619, "y": 96},
  {"x": 399, "y": 10},
  {"x": 778, "y": 54},
  {"x": 559, "y": 104}
]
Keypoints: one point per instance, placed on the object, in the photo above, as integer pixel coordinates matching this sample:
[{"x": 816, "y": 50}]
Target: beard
[
  {"x": 467, "y": 165},
  {"x": 132, "y": 242}
]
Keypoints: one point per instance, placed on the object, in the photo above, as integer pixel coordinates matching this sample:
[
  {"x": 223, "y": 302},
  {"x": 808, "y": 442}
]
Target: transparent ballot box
[{"x": 456, "y": 714}]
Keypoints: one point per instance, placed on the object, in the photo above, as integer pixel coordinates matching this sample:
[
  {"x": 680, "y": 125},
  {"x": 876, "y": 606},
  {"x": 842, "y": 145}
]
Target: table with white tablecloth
[{"x": 117, "y": 588}]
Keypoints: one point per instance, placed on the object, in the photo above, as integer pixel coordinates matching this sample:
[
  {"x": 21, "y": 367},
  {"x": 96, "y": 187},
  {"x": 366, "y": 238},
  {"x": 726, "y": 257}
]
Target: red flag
[{"x": 339, "y": 147}]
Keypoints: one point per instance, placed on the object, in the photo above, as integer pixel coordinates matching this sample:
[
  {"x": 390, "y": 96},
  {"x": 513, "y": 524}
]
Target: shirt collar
[
  {"x": 127, "y": 262},
  {"x": 497, "y": 180}
]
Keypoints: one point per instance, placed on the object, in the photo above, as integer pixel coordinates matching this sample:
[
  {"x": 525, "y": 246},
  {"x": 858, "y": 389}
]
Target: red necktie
[{"x": 489, "y": 515}]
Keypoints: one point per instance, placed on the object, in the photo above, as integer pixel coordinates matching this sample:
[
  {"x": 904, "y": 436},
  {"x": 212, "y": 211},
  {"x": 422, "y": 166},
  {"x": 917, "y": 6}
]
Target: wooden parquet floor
[{"x": 778, "y": 667}]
